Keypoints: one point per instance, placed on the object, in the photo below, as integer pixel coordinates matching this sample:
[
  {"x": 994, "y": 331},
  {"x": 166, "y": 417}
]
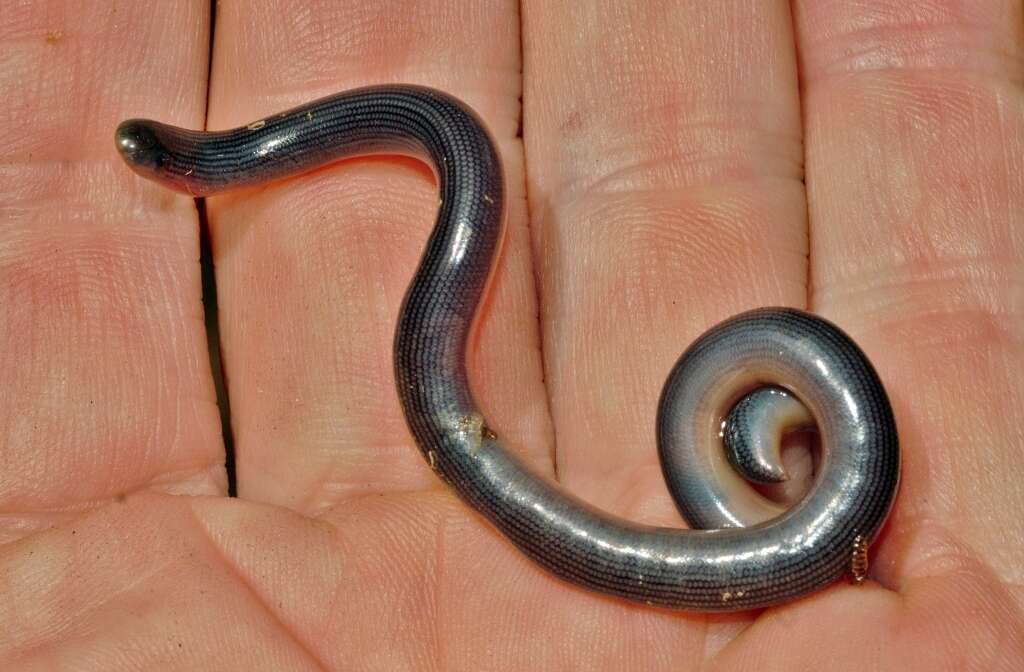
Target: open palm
[{"x": 671, "y": 163}]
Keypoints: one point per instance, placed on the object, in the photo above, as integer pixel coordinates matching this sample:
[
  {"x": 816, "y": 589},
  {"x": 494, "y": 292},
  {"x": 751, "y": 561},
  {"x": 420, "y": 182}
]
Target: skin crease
[{"x": 667, "y": 188}]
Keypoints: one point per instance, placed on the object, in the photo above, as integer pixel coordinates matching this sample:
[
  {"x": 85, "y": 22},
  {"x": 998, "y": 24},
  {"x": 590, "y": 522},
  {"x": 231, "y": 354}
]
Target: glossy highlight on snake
[{"x": 747, "y": 551}]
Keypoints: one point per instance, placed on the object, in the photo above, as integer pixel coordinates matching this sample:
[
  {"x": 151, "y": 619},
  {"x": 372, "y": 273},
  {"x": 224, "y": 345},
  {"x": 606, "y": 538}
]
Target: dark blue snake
[{"x": 748, "y": 552}]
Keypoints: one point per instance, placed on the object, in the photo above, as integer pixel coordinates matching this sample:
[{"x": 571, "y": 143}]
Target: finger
[
  {"x": 312, "y": 271},
  {"x": 914, "y": 139},
  {"x": 665, "y": 190},
  {"x": 106, "y": 385}
]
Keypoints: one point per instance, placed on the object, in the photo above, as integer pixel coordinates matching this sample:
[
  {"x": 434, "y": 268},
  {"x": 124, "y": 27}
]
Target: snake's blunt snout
[
  {"x": 157, "y": 152},
  {"x": 139, "y": 145}
]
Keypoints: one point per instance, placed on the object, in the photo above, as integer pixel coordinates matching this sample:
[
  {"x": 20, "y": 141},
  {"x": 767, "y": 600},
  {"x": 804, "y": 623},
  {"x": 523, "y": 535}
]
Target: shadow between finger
[{"x": 213, "y": 344}]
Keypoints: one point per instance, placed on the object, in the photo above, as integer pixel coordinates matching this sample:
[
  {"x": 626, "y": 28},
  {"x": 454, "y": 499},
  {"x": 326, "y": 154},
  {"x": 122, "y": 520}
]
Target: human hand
[{"x": 676, "y": 157}]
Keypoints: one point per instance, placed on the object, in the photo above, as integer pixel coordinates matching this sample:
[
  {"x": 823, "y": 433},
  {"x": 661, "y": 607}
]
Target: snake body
[{"x": 755, "y": 553}]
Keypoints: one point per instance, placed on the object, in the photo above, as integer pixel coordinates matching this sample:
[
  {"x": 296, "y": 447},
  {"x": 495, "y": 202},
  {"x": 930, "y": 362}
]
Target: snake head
[
  {"x": 140, "y": 147},
  {"x": 152, "y": 150}
]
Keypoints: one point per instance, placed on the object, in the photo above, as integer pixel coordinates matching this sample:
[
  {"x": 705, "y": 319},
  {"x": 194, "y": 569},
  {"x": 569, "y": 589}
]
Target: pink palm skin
[{"x": 677, "y": 162}]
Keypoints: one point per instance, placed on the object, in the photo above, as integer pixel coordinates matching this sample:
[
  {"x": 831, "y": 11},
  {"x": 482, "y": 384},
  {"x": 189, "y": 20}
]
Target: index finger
[{"x": 106, "y": 382}]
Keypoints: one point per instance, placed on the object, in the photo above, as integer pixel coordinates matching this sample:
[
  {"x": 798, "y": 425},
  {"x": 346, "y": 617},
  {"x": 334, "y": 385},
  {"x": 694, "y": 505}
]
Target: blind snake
[{"x": 746, "y": 551}]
